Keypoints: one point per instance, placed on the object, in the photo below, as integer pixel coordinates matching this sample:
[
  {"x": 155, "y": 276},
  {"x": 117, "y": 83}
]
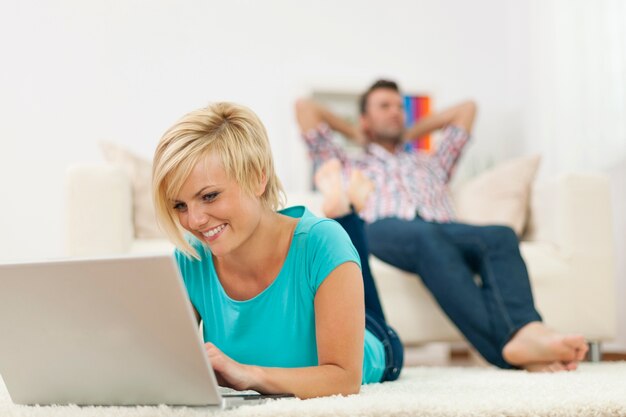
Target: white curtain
[
  {"x": 577, "y": 114},
  {"x": 577, "y": 102}
]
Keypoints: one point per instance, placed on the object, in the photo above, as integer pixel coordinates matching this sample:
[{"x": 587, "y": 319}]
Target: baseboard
[{"x": 613, "y": 357}]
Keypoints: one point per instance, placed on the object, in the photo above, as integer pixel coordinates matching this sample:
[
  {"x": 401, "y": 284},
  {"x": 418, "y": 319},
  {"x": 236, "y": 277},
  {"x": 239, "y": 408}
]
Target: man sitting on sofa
[{"x": 411, "y": 225}]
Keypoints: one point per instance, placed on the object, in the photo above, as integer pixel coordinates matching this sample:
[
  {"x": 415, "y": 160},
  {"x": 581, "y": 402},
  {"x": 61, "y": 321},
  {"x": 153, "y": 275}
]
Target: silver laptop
[{"x": 118, "y": 331}]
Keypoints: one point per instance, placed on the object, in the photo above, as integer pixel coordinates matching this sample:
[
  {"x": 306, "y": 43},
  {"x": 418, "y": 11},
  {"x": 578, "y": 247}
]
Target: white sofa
[{"x": 568, "y": 248}]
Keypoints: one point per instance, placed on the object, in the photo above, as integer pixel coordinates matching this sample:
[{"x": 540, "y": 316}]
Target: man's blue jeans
[{"x": 448, "y": 256}]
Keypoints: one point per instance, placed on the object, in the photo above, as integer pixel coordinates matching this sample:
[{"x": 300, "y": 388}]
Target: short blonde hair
[{"x": 232, "y": 132}]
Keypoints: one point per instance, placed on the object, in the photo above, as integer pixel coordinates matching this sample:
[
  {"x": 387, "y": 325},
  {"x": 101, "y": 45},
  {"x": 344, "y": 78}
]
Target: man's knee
[
  {"x": 402, "y": 236},
  {"x": 380, "y": 235},
  {"x": 500, "y": 236}
]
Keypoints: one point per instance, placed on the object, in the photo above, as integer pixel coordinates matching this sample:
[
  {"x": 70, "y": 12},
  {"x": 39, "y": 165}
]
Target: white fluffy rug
[{"x": 593, "y": 390}]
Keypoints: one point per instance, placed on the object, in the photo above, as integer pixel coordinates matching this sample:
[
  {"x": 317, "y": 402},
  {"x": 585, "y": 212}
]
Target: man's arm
[
  {"x": 462, "y": 115},
  {"x": 310, "y": 114},
  {"x": 316, "y": 125},
  {"x": 458, "y": 122}
]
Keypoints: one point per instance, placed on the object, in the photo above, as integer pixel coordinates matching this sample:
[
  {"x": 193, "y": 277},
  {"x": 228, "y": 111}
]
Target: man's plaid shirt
[{"x": 407, "y": 181}]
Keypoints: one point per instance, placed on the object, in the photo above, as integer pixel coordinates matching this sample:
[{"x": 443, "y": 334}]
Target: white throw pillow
[
  {"x": 140, "y": 172},
  {"x": 500, "y": 195}
]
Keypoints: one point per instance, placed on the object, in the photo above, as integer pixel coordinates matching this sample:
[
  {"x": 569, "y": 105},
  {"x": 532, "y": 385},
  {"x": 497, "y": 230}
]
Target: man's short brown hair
[{"x": 391, "y": 85}]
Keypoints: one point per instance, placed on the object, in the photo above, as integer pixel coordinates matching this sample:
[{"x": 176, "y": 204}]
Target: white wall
[{"x": 75, "y": 72}]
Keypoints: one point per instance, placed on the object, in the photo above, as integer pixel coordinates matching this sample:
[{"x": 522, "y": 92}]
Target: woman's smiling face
[{"x": 216, "y": 209}]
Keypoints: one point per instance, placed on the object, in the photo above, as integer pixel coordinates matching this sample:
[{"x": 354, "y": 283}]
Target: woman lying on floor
[{"x": 280, "y": 293}]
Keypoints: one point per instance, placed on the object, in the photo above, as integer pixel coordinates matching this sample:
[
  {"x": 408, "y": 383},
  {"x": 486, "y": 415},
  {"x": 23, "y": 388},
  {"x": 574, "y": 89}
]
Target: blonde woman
[{"x": 280, "y": 293}]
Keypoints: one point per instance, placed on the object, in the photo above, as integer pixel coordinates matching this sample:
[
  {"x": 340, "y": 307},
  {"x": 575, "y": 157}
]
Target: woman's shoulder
[
  {"x": 322, "y": 245},
  {"x": 311, "y": 225},
  {"x": 319, "y": 234}
]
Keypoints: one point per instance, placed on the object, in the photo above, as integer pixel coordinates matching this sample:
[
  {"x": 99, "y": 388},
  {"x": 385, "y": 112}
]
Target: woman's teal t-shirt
[{"x": 277, "y": 327}]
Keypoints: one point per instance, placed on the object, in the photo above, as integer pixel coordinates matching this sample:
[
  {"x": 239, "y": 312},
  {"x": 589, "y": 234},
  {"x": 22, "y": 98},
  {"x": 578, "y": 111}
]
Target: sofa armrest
[
  {"x": 574, "y": 213},
  {"x": 99, "y": 210}
]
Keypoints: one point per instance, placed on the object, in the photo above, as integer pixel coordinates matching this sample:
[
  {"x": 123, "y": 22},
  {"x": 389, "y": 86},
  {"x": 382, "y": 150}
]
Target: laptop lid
[{"x": 116, "y": 331}]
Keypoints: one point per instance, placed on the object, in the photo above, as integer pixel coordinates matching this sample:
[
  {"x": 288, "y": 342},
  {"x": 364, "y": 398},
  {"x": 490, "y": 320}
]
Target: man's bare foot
[
  {"x": 328, "y": 179},
  {"x": 549, "y": 367},
  {"x": 359, "y": 189},
  {"x": 535, "y": 343}
]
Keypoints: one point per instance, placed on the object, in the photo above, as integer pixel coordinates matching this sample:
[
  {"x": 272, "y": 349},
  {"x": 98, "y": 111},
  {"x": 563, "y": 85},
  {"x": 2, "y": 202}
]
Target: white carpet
[{"x": 593, "y": 390}]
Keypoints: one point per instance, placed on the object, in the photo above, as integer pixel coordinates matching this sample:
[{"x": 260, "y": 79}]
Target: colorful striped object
[{"x": 416, "y": 107}]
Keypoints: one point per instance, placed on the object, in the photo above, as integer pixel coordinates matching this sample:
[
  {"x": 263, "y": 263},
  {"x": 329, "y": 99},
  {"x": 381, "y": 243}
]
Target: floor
[{"x": 443, "y": 354}]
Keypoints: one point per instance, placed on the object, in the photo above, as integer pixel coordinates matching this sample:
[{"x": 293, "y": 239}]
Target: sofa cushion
[
  {"x": 139, "y": 171},
  {"x": 500, "y": 195}
]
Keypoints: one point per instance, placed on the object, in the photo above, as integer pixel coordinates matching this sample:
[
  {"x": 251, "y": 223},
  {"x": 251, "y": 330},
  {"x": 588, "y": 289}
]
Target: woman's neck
[{"x": 257, "y": 262}]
